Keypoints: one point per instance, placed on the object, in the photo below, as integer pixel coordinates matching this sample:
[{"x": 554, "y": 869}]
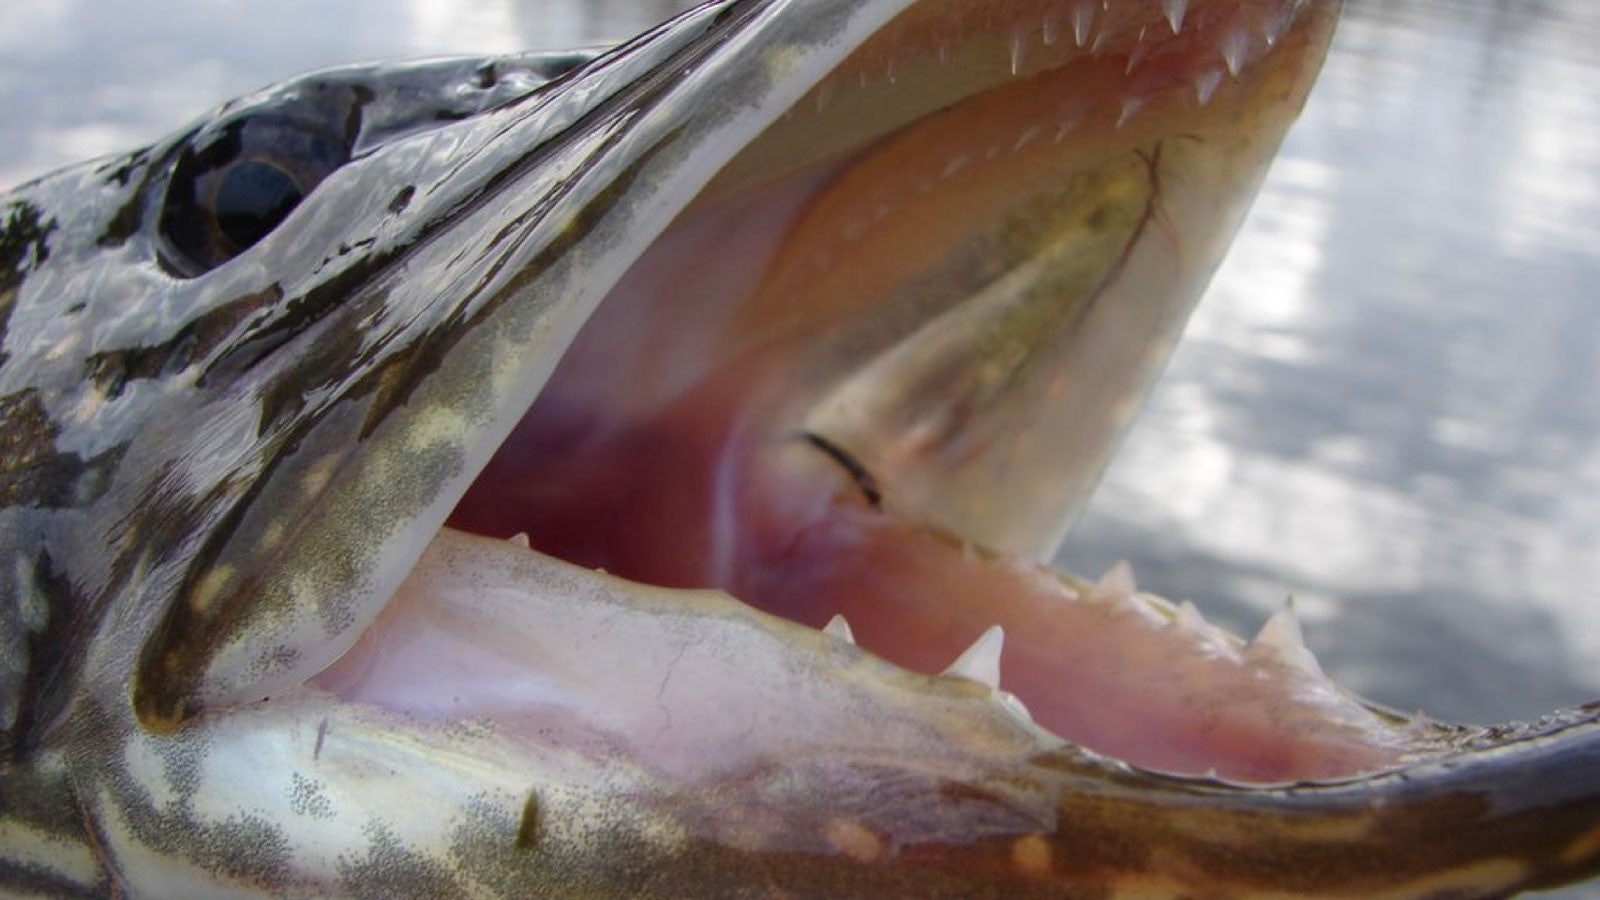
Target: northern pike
[{"x": 629, "y": 473}]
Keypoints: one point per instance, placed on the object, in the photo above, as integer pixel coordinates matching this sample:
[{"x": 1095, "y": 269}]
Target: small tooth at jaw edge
[
  {"x": 1192, "y": 621},
  {"x": 1117, "y": 587},
  {"x": 1277, "y": 27},
  {"x": 1281, "y": 635},
  {"x": 1082, "y": 20},
  {"x": 1174, "y": 10},
  {"x": 1205, "y": 84},
  {"x": 1140, "y": 51},
  {"x": 1233, "y": 50},
  {"x": 840, "y": 628},
  {"x": 1130, "y": 106},
  {"x": 981, "y": 661},
  {"x": 520, "y": 539},
  {"x": 1116, "y": 583}
]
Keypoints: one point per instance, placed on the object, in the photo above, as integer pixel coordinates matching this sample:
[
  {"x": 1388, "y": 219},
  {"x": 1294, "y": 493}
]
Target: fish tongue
[{"x": 690, "y": 684}]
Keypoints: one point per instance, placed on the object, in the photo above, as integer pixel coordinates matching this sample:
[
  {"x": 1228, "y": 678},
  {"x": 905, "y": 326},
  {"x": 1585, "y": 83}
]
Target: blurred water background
[{"x": 1387, "y": 407}]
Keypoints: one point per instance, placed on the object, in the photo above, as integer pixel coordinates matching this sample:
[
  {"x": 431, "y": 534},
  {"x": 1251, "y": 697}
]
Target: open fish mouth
[
  {"x": 675, "y": 524},
  {"x": 866, "y": 377}
]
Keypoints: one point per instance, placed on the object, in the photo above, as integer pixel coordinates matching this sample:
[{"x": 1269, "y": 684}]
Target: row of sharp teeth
[
  {"x": 979, "y": 662},
  {"x": 1236, "y": 49},
  {"x": 1084, "y": 23},
  {"x": 1280, "y": 638},
  {"x": 1079, "y": 19}
]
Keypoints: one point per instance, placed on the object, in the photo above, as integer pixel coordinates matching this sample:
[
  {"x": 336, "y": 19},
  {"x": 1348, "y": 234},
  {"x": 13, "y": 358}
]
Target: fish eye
[
  {"x": 252, "y": 198},
  {"x": 235, "y": 183}
]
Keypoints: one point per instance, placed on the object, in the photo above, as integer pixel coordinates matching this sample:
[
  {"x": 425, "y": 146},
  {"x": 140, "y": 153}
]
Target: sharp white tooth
[
  {"x": 520, "y": 539},
  {"x": 1205, "y": 84},
  {"x": 1277, "y": 27},
  {"x": 1082, "y": 21},
  {"x": 1067, "y": 126},
  {"x": 1140, "y": 51},
  {"x": 1191, "y": 620},
  {"x": 1116, "y": 584},
  {"x": 1234, "y": 47},
  {"x": 981, "y": 661},
  {"x": 1175, "y": 10},
  {"x": 839, "y": 628},
  {"x": 1016, "y": 50},
  {"x": 1130, "y": 106},
  {"x": 1117, "y": 587},
  {"x": 1281, "y": 636}
]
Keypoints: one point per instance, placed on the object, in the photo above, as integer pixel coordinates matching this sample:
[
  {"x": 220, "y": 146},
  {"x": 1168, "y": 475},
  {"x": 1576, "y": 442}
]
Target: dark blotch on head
[
  {"x": 24, "y": 245},
  {"x": 33, "y": 473},
  {"x": 402, "y": 199}
]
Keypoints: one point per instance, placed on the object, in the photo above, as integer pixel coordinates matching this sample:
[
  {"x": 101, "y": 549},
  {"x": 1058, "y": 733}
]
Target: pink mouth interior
[{"x": 668, "y": 449}]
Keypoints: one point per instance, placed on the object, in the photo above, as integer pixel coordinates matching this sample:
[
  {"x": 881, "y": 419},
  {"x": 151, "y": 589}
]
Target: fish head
[{"x": 781, "y": 314}]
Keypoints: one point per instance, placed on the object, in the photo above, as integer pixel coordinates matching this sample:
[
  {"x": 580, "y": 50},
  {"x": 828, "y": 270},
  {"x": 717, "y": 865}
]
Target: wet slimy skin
[{"x": 627, "y": 475}]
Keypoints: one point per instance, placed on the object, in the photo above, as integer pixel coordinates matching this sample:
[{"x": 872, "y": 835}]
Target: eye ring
[{"x": 237, "y": 181}]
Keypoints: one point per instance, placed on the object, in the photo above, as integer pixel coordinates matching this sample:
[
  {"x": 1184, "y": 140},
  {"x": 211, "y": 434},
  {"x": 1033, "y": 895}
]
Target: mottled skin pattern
[{"x": 201, "y": 472}]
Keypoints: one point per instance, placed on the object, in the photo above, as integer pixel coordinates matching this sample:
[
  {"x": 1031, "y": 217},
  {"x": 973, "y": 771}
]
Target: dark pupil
[{"x": 252, "y": 199}]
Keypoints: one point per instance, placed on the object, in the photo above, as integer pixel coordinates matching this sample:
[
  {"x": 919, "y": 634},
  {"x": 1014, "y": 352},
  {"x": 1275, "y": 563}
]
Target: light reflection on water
[{"x": 1387, "y": 406}]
